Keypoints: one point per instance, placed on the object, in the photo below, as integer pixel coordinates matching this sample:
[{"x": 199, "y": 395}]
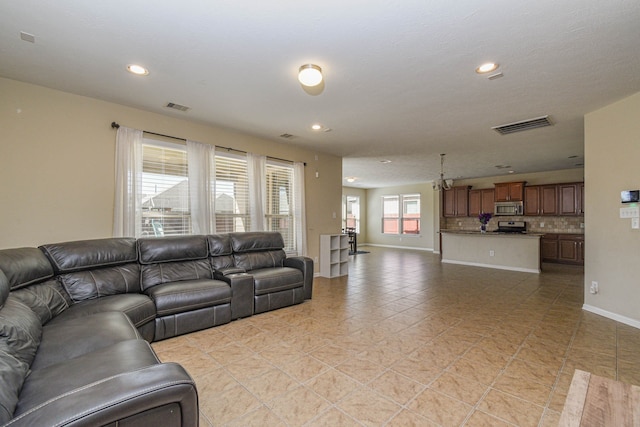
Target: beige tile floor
[{"x": 407, "y": 341}]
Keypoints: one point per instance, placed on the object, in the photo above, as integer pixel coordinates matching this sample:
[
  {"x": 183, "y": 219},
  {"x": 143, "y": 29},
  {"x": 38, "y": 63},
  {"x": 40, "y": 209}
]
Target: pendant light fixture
[{"x": 442, "y": 184}]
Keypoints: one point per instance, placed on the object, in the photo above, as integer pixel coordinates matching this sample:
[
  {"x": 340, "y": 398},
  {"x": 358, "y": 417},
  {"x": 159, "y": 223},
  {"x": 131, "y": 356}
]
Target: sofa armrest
[
  {"x": 304, "y": 264},
  {"x": 227, "y": 271},
  {"x": 162, "y": 394},
  {"x": 241, "y": 292}
]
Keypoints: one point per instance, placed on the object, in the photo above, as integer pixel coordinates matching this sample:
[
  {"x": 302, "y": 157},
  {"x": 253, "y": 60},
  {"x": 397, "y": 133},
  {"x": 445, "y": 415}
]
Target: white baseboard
[
  {"x": 613, "y": 316},
  {"x": 396, "y": 247},
  {"x": 499, "y": 267}
]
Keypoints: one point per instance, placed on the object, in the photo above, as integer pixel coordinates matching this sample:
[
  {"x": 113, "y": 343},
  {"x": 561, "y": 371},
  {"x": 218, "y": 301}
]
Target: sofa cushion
[
  {"x": 220, "y": 252},
  {"x": 178, "y": 297},
  {"x": 169, "y": 272},
  {"x": 4, "y": 289},
  {"x": 71, "y": 338},
  {"x": 253, "y": 241},
  {"x": 100, "y": 282},
  {"x": 12, "y": 373},
  {"x": 90, "y": 269},
  {"x": 24, "y": 266},
  {"x": 138, "y": 307},
  {"x": 171, "y": 249},
  {"x": 81, "y": 255},
  {"x": 256, "y": 260},
  {"x": 276, "y": 279},
  {"x": 20, "y": 330},
  {"x": 46, "y": 299},
  {"x": 44, "y": 384}
]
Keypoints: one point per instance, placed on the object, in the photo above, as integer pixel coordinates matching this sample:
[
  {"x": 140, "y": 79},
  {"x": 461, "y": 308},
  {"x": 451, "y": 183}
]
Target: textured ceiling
[{"x": 400, "y": 81}]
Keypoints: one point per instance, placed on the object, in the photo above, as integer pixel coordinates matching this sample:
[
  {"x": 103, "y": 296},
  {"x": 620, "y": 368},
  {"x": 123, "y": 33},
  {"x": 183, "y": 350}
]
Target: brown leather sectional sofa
[{"x": 76, "y": 319}]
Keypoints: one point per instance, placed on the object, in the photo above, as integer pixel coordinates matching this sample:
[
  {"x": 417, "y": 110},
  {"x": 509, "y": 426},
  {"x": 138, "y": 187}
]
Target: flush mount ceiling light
[
  {"x": 138, "y": 70},
  {"x": 310, "y": 75},
  {"x": 487, "y": 68}
]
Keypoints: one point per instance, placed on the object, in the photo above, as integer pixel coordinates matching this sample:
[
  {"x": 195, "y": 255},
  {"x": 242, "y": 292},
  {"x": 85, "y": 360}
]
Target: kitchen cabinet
[
  {"x": 455, "y": 201},
  {"x": 571, "y": 199},
  {"x": 481, "y": 201},
  {"x": 541, "y": 200},
  {"x": 509, "y": 191},
  {"x": 549, "y": 248},
  {"x": 562, "y": 248}
]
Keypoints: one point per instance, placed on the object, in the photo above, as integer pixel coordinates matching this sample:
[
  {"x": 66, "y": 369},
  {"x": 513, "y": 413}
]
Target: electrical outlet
[
  {"x": 492, "y": 253},
  {"x": 542, "y": 225},
  {"x": 594, "y": 287}
]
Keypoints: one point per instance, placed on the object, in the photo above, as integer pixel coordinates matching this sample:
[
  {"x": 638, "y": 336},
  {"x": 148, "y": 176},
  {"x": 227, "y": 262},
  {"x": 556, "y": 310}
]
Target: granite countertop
[{"x": 492, "y": 233}]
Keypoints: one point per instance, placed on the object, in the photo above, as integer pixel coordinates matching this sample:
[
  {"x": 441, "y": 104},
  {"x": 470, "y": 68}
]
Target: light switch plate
[
  {"x": 635, "y": 223},
  {"x": 630, "y": 212}
]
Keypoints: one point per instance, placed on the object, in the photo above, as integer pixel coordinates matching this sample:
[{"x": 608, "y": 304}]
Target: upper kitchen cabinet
[
  {"x": 455, "y": 202},
  {"x": 540, "y": 200},
  {"x": 481, "y": 201},
  {"x": 509, "y": 192},
  {"x": 571, "y": 199}
]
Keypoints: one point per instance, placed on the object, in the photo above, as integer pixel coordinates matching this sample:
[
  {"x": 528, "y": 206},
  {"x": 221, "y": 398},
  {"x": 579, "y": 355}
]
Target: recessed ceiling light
[
  {"x": 512, "y": 171},
  {"x": 316, "y": 126},
  {"x": 138, "y": 70},
  {"x": 386, "y": 161},
  {"x": 487, "y": 68},
  {"x": 351, "y": 178}
]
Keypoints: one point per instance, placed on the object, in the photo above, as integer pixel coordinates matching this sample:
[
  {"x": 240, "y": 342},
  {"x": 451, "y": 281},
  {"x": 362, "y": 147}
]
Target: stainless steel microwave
[{"x": 508, "y": 208}]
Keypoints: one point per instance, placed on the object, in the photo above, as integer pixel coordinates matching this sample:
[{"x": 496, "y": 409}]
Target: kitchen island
[{"x": 505, "y": 251}]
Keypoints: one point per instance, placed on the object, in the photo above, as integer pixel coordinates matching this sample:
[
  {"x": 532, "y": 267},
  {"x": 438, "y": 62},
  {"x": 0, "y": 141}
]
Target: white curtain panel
[
  {"x": 298, "y": 208},
  {"x": 201, "y": 159},
  {"x": 127, "y": 214},
  {"x": 256, "y": 173}
]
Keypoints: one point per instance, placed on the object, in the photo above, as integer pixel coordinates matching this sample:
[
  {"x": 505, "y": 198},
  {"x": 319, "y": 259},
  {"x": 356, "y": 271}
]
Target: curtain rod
[{"x": 115, "y": 125}]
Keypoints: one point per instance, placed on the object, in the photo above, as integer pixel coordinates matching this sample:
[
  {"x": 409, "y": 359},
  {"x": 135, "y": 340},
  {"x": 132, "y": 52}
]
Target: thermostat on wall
[{"x": 630, "y": 196}]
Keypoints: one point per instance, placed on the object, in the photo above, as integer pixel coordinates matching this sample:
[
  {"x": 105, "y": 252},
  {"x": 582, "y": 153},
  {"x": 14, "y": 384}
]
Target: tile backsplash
[{"x": 552, "y": 224}]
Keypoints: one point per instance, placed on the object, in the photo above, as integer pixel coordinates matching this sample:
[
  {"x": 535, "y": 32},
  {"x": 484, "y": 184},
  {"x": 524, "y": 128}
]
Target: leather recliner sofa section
[
  {"x": 89, "y": 369},
  {"x": 76, "y": 319}
]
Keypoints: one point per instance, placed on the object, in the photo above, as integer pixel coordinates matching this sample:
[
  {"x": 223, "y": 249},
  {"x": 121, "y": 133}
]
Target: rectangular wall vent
[
  {"x": 178, "y": 107},
  {"x": 538, "y": 122}
]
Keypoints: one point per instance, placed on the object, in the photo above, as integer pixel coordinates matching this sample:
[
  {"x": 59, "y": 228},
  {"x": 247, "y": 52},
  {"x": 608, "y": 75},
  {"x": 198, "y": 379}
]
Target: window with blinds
[
  {"x": 401, "y": 214},
  {"x": 279, "y": 209},
  {"x": 232, "y": 194},
  {"x": 164, "y": 190},
  {"x": 351, "y": 213}
]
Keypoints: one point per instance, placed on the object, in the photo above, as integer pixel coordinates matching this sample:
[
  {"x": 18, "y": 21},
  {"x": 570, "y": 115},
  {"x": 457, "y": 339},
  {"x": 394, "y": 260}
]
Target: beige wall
[
  {"x": 427, "y": 224},
  {"x": 57, "y": 165},
  {"x": 612, "y": 153}
]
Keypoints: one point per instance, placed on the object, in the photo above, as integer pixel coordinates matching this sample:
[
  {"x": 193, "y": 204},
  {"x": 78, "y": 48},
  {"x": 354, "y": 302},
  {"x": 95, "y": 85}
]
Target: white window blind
[
  {"x": 231, "y": 194},
  {"x": 397, "y": 220},
  {"x": 165, "y": 190},
  {"x": 351, "y": 213},
  {"x": 279, "y": 209}
]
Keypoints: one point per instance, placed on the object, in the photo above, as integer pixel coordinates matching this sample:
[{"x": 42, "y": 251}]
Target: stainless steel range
[{"x": 512, "y": 227}]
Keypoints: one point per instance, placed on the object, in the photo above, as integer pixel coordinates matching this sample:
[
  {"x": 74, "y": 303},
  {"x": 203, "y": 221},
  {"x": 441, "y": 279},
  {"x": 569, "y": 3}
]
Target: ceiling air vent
[
  {"x": 538, "y": 122},
  {"x": 178, "y": 107},
  {"x": 287, "y": 136}
]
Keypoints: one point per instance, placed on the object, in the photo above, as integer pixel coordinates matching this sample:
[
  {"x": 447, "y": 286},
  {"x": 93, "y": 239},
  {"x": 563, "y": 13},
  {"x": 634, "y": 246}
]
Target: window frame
[
  {"x": 145, "y": 226},
  {"x": 395, "y": 220}
]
